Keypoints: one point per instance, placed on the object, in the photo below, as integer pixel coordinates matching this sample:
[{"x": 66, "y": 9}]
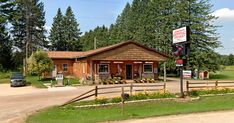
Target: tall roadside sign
[{"x": 180, "y": 49}]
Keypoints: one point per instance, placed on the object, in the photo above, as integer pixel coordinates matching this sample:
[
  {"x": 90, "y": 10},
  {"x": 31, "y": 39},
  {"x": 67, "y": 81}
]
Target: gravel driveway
[{"x": 17, "y": 103}]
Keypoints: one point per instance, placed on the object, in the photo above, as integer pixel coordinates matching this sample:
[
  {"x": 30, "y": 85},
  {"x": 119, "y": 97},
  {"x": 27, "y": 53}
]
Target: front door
[{"x": 128, "y": 71}]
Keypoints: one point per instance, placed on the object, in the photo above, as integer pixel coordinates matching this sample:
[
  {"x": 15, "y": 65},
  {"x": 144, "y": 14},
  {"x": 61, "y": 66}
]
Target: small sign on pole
[
  {"x": 179, "y": 62},
  {"x": 187, "y": 73}
]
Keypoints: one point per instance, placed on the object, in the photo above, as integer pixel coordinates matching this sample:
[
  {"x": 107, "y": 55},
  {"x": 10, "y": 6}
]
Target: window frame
[
  {"x": 64, "y": 67},
  {"x": 148, "y": 71},
  {"x": 108, "y": 65}
]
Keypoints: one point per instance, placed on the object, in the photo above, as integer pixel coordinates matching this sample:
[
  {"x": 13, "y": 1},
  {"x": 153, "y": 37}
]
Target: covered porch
[{"x": 123, "y": 69}]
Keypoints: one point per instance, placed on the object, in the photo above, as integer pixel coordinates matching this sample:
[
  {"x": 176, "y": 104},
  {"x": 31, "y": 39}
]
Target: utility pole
[
  {"x": 95, "y": 43},
  {"x": 28, "y": 34}
]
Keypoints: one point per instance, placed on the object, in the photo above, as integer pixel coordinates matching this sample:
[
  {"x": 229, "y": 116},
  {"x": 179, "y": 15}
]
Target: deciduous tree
[{"x": 39, "y": 63}]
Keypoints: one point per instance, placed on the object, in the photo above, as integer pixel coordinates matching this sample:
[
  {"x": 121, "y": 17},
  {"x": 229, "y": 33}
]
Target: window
[
  {"x": 103, "y": 68},
  {"x": 64, "y": 67},
  {"x": 148, "y": 68}
]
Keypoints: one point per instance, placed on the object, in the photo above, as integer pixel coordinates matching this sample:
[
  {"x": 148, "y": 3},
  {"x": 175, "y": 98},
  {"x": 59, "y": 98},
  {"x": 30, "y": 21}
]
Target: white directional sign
[
  {"x": 180, "y": 35},
  {"x": 187, "y": 73}
]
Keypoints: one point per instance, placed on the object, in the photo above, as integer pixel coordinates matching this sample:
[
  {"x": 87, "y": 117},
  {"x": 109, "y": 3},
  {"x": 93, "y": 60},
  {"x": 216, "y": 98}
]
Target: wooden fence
[
  {"x": 114, "y": 89},
  {"x": 202, "y": 85}
]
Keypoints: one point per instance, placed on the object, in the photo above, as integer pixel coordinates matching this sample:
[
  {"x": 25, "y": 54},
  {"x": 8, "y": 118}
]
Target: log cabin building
[{"x": 128, "y": 60}]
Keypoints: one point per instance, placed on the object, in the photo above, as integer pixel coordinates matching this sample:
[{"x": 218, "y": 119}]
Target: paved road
[{"x": 208, "y": 117}]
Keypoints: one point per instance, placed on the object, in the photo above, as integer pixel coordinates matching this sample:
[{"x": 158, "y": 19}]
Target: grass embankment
[
  {"x": 36, "y": 82},
  {"x": 4, "y": 77},
  {"x": 32, "y": 80},
  {"x": 139, "y": 110},
  {"x": 39, "y": 83}
]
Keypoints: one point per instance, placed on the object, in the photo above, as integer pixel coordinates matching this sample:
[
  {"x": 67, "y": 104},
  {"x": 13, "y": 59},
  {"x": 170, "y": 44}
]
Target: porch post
[
  {"x": 91, "y": 70},
  {"x": 165, "y": 72}
]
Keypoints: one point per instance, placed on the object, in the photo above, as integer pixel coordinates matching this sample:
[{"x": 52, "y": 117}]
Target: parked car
[{"x": 17, "y": 79}]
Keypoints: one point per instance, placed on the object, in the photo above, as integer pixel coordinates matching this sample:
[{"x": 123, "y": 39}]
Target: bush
[
  {"x": 161, "y": 95},
  {"x": 211, "y": 91},
  {"x": 116, "y": 100},
  {"x": 5, "y": 75},
  {"x": 101, "y": 101},
  {"x": 154, "y": 95},
  {"x": 39, "y": 63}
]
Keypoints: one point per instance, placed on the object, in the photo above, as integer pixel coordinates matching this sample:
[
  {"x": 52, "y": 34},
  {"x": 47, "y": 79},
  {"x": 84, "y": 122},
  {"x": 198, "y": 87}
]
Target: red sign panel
[{"x": 179, "y": 62}]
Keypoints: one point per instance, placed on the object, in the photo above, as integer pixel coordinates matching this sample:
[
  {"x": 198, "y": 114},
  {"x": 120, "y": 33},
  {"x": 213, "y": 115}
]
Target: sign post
[{"x": 180, "y": 39}]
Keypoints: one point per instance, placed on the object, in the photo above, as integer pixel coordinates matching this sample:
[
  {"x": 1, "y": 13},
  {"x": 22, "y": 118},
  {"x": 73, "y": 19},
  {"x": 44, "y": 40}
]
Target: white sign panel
[
  {"x": 180, "y": 35},
  {"x": 187, "y": 73}
]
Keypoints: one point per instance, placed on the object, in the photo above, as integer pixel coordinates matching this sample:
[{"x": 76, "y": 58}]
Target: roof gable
[
  {"x": 129, "y": 51},
  {"x": 91, "y": 53}
]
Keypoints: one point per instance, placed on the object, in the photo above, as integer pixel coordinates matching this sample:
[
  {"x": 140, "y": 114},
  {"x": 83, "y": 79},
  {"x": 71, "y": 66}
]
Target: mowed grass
[
  {"x": 4, "y": 81},
  {"x": 139, "y": 110},
  {"x": 36, "y": 82},
  {"x": 4, "y": 77},
  {"x": 226, "y": 74}
]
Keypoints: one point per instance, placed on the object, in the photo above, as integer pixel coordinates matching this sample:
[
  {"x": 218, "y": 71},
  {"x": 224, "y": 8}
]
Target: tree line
[
  {"x": 22, "y": 27},
  {"x": 149, "y": 22}
]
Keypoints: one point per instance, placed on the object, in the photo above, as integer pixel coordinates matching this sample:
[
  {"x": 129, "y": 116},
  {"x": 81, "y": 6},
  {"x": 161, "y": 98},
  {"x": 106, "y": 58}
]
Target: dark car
[{"x": 17, "y": 79}]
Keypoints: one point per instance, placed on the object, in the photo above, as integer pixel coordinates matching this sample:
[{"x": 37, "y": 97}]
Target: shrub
[
  {"x": 116, "y": 100},
  {"x": 152, "y": 95},
  {"x": 161, "y": 95},
  {"x": 5, "y": 75},
  {"x": 101, "y": 101},
  {"x": 211, "y": 91},
  {"x": 39, "y": 63}
]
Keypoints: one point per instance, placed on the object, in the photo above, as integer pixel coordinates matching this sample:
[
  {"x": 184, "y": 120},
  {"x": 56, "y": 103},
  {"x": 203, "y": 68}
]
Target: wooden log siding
[{"x": 214, "y": 84}]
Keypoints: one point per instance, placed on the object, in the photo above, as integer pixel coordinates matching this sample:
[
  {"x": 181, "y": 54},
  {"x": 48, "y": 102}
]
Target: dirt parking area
[
  {"x": 17, "y": 103},
  {"x": 6, "y": 90}
]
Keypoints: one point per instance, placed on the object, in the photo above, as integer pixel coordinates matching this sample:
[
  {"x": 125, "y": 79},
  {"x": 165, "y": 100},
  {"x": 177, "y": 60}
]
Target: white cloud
[
  {"x": 232, "y": 39},
  {"x": 224, "y": 14}
]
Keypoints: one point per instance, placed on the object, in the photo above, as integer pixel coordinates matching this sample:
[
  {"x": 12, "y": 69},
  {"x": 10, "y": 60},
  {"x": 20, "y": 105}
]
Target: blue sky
[{"x": 92, "y": 13}]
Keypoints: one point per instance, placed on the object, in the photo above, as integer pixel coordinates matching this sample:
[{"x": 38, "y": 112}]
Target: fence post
[
  {"x": 164, "y": 88},
  {"x": 131, "y": 87},
  {"x": 216, "y": 84},
  {"x": 187, "y": 86},
  {"x": 96, "y": 91}
]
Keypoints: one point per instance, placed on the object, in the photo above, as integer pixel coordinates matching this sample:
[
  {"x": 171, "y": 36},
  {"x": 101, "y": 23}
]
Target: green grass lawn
[
  {"x": 139, "y": 110},
  {"x": 32, "y": 80},
  {"x": 226, "y": 74},
  {"x": 36, "y": 82},
  {"x": 4, "y": 81},
  {"x": 4, "y": 77}
]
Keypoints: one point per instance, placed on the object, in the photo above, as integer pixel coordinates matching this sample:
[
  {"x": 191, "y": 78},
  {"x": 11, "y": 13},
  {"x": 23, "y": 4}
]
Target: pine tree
[
  {"x": 151, "y": 22},
  {"x": 6, "y": 10},
  {"x": 196, "y": 15},
  {"x": 56, "y": 33},
  {"x": 5, "y": 48},
  {"x": 100, "y": 34},
  {"x": 71, "y": 31},
  {"x": 29, "y": 17},
  {"x": 123, "y": 24}
]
